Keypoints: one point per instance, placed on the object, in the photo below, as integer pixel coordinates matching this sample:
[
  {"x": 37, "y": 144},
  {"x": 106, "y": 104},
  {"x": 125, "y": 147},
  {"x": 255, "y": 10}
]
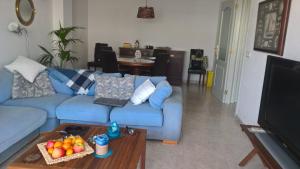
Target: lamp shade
[
  {"x": 146, "y": 12},
  {"x": 14, "y": 27}
]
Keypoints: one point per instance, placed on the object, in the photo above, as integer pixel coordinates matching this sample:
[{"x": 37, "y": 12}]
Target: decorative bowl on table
[{"x": 63, "y": 150}]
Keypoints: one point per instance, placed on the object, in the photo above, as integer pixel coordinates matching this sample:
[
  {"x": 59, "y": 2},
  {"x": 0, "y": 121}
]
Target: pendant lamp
[{"x": 146, "y": 12}]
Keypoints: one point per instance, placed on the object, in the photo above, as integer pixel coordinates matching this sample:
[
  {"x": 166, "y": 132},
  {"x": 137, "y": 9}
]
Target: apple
[
  {"x": 58, "y": 152},
  {"x": 50, "y": 144},
  {"x": 78, "y": 147}
]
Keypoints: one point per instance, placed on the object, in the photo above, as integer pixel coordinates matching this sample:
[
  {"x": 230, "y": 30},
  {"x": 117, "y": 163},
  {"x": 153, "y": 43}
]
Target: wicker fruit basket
[{"x": 49, "y": 160}]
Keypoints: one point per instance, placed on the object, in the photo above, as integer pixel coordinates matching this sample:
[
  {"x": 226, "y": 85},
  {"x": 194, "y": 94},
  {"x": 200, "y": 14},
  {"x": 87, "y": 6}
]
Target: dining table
[{"x": 136, "y": 66}]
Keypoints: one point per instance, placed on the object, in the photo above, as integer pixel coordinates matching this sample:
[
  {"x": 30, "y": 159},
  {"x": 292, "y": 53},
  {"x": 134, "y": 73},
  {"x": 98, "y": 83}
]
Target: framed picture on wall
[{"x": 272, "y": 22}]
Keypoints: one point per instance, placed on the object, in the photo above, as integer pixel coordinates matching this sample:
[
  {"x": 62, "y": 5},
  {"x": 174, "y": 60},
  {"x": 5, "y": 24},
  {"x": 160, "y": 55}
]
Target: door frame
[
  {"x": 243, "y": 9},
  {"x": 217, "y": 48},
  {"x": 237, "y": 50}
]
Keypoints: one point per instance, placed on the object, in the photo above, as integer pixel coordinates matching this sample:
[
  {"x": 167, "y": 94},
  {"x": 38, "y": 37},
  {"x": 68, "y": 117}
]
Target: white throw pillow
[
  {"x": 28, "y": 68},
  {"x": 143, "y": 92}
]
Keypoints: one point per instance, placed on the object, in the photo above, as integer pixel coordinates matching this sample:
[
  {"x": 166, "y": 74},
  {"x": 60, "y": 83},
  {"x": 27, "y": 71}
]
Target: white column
[{"x": 62, "y": 13}]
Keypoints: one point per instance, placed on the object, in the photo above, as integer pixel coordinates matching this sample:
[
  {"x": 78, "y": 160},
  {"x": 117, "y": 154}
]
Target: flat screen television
[{"x": 280, "y": 104}]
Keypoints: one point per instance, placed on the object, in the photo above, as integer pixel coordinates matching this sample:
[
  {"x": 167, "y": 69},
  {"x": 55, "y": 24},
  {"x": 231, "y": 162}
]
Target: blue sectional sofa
[{"x": 22, "y": 120}]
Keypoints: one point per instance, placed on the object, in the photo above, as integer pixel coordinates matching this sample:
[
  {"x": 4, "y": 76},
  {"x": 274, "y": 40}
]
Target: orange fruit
[
  {"x": 72, "y": 138},
  {"x": 66, "y": 146},
  {"x": 68, "y": 140},
  {"x": 69, "y": 152},
  {"x": 78, "y": 139},
  {"x": 50, "y": 150},
  {"x": 58, "y": 144}
]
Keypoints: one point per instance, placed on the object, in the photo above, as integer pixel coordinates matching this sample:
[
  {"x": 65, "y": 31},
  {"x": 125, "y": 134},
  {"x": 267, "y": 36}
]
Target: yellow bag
[{"x": 210, "y": 78}]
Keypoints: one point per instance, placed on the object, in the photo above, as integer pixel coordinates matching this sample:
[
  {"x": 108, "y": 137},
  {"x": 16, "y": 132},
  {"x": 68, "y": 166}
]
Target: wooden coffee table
[{"x": 127, "y": 152}]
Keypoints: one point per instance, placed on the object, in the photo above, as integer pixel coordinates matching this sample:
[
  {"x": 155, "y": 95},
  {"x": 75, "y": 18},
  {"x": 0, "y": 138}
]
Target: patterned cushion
[
  {"x": 113, "y": 87},
  {"x": 81, "y": 82},
  {"x": 40, "y": 87}
]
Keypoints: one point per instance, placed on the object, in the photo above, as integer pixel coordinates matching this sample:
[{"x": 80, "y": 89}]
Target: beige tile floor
[{"x": 212, "y": 138}]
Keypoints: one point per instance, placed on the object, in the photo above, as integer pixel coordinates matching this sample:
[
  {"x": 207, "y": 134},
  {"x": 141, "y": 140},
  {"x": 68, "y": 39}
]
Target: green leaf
[
  {"x": 47, "y": 58},
  {"x": 62, "y": 41}
]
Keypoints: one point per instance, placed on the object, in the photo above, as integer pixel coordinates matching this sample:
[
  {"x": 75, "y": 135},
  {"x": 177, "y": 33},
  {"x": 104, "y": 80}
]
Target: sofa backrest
[
  {"x": 60, "y": 78},
  {"x": 6, "y": 82},
  {"x": 139, "y": 80}
]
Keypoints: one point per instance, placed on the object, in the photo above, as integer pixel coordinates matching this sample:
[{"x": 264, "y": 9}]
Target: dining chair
[
  {"x": 99, "y": 47},
  {"x": 109, "y": 62},
  {"x": 197, "y": 65},
  {"x": 101, "y": 44},
  {"x": 160, "y": 67},
  {"x": 156, "y": 52},
  {"x": 98, "y": 52}
]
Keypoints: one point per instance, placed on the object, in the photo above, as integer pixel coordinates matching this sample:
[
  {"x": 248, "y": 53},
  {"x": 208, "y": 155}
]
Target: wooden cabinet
[{"x": 175, "y": 67}]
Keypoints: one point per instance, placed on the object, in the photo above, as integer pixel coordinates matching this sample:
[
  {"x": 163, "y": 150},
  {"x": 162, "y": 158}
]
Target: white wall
[
  {"x": 62, "y": 13},
  {"x": 254, "y": 65},
  {"x": 12, "y": 45},
  {"x": 80, "y": 18},
  {"x": 73, "y": 13},
  {"x": 179, "y": 24}
]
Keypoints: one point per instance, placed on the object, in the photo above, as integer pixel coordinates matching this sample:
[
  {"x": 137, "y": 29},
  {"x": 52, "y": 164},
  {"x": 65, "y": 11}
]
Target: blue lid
[{"x": 102, "y": 139}]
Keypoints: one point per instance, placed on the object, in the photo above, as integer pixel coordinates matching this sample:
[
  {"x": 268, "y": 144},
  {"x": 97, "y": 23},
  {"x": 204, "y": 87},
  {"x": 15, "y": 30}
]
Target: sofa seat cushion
[
  {"x": 141, "y": 115},
  {"x": 18, "y": 122},
  {"x": 82, "y": 108},
  {"x": 47, "y": 103}
]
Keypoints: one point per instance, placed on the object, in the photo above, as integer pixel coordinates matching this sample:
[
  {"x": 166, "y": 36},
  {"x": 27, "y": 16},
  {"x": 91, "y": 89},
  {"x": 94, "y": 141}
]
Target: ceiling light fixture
[{"x": 146, "y": 12}]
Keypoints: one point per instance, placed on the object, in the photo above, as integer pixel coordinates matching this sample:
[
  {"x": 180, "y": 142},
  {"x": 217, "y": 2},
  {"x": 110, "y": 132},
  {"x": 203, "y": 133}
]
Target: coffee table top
[{"x": 127, "y": 151}]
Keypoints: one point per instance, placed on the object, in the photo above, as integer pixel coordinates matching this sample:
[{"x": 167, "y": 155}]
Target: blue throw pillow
[
  {"x": 59, "y": 81},
  {"x": 139, "y": 80},
  {"x": 6, "y": 83},
  {"x": 162, "y": 92},
  {"x": 58, "y": 75},
  {"x": 67, "y": 72},
  {"x": 92, "y": 90}
]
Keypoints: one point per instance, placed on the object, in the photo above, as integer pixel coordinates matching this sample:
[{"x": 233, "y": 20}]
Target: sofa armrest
[{"x": 172, "y": 112}]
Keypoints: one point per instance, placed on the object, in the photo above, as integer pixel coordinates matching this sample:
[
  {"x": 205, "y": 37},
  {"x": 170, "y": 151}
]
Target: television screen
[{"x": 280, "y": 103}]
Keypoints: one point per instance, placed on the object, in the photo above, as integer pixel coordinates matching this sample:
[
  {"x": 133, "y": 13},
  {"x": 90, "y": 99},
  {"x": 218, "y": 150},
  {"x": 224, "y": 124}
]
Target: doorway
[{"x": 230, "y": 49}]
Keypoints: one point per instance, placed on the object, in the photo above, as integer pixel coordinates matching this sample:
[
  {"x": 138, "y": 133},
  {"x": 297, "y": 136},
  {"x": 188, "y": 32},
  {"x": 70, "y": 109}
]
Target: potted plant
[{"x": 61, "y": 50}]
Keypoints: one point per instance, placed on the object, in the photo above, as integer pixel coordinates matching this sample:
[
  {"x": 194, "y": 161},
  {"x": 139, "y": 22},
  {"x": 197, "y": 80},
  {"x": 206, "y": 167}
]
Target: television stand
[{"x": 270, "y": 153}]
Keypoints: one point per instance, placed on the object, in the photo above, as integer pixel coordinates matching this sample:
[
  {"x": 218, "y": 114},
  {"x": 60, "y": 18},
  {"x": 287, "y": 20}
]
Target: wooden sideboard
[{"x": 175, "y": 67}]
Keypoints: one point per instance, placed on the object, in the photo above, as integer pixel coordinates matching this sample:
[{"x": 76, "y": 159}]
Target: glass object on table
[{"x": 138, "y": 56}]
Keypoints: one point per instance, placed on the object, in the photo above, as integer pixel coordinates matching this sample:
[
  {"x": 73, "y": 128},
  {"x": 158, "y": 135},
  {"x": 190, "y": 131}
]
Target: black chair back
[
  {"x": 101, "y": 44},
  {"x": 160, "y": 67},
  {"x": 98, "y": 49},
  {"x": 109, "y": 62},
  {"x": 157, "y": 52},
  {"x": 196, "y": 59}
]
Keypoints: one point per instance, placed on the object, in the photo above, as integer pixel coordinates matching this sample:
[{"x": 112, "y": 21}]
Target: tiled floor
[{"x": 212, "y": 138}]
